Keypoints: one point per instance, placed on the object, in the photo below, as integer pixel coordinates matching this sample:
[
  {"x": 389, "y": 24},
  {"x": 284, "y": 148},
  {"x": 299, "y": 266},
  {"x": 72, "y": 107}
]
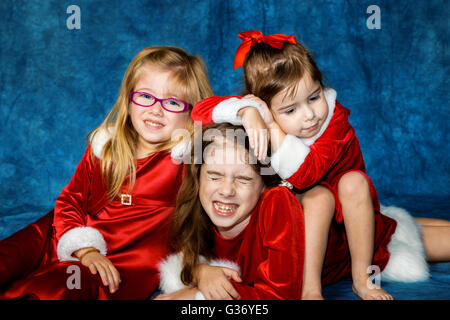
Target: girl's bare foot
[{"x": 364, "y": 292}]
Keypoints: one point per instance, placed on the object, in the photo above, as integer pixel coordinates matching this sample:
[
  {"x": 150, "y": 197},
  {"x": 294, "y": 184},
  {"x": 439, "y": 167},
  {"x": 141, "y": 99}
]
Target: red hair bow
[{"x": 252, "y": 37}]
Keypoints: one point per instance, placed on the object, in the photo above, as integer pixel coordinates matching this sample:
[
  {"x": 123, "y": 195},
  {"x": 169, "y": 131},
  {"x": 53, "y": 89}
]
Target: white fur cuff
[
  {"x": 289, "y": 156},
  {"x": 227, "y": 110},
  {"x": 407, "y": 262},
  {"x": 181, "y": 152},
  {"x": 78, "y": 238},
  {"x": 99, "y": 140}
]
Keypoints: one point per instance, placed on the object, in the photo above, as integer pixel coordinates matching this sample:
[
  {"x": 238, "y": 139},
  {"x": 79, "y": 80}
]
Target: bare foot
[
  {"x": 312, "y": 296},
  {"x": 365, "y": 293}
]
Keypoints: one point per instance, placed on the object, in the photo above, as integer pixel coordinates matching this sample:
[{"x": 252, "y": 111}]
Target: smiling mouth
[
  {"x": 312, "y": 127},
  {"x": 153, "y": 124},
  {"x": 225, "y": 209}
]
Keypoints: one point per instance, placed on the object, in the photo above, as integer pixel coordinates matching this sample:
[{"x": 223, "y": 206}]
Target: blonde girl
[{"x": 112, "y": 220}]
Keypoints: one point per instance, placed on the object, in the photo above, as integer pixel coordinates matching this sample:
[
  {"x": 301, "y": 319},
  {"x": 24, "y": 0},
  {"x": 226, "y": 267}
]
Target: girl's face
[
  {"x": 304, "y": 113},
  {"x": 229, "y": 190},
  {"x": 154, "y": 124}
]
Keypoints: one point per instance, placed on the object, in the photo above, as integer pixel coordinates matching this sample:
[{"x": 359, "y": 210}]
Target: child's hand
[
  {"x": 183, "y": 294},
  {"x": 214, "y": 282},
  {"x": 268, "y": 117},
  {"x": 256, "y": 126},
  {"x": 96, "y": 262}
]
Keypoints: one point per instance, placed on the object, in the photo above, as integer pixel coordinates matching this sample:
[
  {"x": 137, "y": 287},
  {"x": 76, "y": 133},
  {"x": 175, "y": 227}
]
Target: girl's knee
[
  {"x": 353, "y": 185},
  {"x": 317, "y": 199}
]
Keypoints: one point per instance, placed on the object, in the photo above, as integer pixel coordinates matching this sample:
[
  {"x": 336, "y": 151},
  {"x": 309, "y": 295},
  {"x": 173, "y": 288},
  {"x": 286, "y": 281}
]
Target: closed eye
[
  {"x": 244, "y": 180},
  {"x": 214, "y": 177}
]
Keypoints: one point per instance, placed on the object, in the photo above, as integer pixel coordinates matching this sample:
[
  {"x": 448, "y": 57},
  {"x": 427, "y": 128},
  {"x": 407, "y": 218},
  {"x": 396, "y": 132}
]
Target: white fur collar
[
  {"x": 330, "y": 96},
  {"x": 98, "y": 141}
]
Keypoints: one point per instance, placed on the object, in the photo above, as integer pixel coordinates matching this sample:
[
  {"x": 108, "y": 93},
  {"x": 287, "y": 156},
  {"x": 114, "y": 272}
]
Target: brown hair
[
  {"x": 268, "y": 71},
  {"x": 192, "y": 229},
  {"x": 118, "y": 154}
]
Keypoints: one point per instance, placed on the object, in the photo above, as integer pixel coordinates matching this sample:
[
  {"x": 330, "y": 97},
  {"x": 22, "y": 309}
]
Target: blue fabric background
[{"x": 56, "y": 84}]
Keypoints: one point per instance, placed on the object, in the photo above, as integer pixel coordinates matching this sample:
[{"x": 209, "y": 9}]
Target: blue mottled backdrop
[{"x": 57, "y": 83}]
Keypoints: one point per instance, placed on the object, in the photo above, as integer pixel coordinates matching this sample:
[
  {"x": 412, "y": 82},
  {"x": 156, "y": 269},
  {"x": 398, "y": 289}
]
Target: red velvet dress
[
  {"x": 270, "y": 250},
  {"x": 136, "y": 235},
  {"x": 324, "y": 160}
]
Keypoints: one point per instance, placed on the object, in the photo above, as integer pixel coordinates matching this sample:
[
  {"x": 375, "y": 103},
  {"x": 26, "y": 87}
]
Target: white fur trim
[
  {"x": 181, "y": 152},
  {"x": 407, "y": 262},
  {"x": 226, "y": 264},
  {"x": 99, "y": 139},
  {"x": 226, "y": 111},
  {"x": 289, "y": 156},
  {"x": 78, "y": 238},
  {"x": 170, "y": 272}
]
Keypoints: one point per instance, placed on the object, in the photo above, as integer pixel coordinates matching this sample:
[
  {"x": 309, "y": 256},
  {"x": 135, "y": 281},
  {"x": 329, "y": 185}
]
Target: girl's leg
[
  {"x": 318, "y": 210},
  {"x": 432, "y": 222},
  {"x": 436, "y": 238},
  {"x": 359, "y": 220}
]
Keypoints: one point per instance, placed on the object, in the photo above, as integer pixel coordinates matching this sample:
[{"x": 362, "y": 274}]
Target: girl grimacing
[{"x": 232, "y": 218}]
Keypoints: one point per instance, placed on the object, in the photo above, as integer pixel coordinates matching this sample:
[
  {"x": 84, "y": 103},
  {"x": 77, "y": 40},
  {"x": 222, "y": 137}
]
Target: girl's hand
[
  {"x": 256, "y": 126},
  {"x": 97, "y": 263},
  {"x": 214, "y": 282},
  {"x": 183, "y": 294},
  {"x": 268, "y": 117}
]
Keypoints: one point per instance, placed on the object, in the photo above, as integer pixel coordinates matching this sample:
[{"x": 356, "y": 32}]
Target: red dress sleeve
[
  {"x": 222, "y": 109},
  {"x": 203, "y": 110},
  {"x": 280, "y": 275},
  {"x": 71, "y": 205}
]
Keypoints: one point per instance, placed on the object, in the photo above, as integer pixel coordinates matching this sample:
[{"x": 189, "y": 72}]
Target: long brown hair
[
  {"x": 268, "y": 71},
  {"x": 191, "y": 231},
  {"x": 118, "y": 154}
]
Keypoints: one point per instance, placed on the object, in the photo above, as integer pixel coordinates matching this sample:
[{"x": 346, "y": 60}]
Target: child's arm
[
  {"x": 214, "y": 282},
  {"x": 248, "y": 111},
  {"x": 71, "y": 212},
  {"x": 182, "y": 294},
  {"x": 97, "y": 263},
  {"x": 212, "y": 276}
]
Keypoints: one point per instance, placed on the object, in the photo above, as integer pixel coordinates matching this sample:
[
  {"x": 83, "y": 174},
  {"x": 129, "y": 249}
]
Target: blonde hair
[
  {"x": 118, "y": 154},
  {"x": 268, "y": 71}
]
